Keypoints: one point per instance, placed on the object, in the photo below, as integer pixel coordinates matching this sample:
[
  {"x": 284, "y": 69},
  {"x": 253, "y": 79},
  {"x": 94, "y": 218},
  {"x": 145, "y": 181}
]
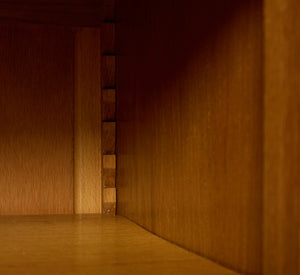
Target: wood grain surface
[
  {"x": 108, "y": 104},
  {"x": 77, "y": 13},
  {"x": 281, "y": 138},
  {"x": 109, "y": 162},
  {"x": 91, "y": 244},
  {"x": 108, "y": 72},
  {"x": 109, "y": 177},
  {"x": 109, "y": 171},
  {"x": 36, "y": 120},
  {"x": 87, "y": 134},
  {"x": 189, "y": 118},
  {"x": 108, "y": 137},
  {"x": 108, "y": 34}
]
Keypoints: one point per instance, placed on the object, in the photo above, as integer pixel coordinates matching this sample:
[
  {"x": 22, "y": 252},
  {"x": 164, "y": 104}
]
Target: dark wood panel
[
  {"x": 36, "y": 120},
  {"x": 281, "y": 138},
  {"x": 189, "y": 117},
  {"x": 108, "y": 72},
  {"x": 108, "y": 38},
  {"x": 109, "y": 104},
  {"x": 62, "y": 12}
]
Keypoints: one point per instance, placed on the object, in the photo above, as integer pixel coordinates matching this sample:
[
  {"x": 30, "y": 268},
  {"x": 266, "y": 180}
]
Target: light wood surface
[
  {"x": 109, "y": 200},
  {"x": 108, "y": 137},
  {"x": 189, "y": 118},
  {"x": 109, "y": 171},
  {"x": 77, "y": 13},
  {"x": 109, "y": 177},
  {"x": 109, "y": 195},
  {"x": 109, "y": 162},
  {"x": 87, "y": 124},
  {"x": 36, "y": 119},
  {"x": 91, "y": 244},
  {"x": 281, "y": 138}
]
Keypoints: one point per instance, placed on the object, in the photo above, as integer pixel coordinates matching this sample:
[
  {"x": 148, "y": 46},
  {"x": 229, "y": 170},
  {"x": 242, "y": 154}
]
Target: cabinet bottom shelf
[{"x": 91, "y": 244}]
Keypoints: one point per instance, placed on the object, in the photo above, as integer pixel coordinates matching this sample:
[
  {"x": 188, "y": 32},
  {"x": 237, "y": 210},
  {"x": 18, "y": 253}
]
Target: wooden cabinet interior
[{"x": 204, "y": 115}]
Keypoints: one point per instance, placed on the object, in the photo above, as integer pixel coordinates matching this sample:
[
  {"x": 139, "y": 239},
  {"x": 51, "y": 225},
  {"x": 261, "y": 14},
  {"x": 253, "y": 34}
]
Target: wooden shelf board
[{"x": 91, "y": 244}]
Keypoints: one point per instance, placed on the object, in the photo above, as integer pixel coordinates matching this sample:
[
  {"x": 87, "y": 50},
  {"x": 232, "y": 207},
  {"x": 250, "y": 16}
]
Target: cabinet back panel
[{"x": 36, "y": 119}]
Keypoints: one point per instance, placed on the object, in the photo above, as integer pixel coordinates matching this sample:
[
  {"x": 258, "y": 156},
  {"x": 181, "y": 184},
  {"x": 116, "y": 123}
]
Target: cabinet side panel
[{"x": 189, "y": 124}]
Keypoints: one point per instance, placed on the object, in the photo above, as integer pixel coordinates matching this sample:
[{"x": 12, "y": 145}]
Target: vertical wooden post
[
  {"x": 87, "y": 129},
  {"x": 281, "y": 137}
]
